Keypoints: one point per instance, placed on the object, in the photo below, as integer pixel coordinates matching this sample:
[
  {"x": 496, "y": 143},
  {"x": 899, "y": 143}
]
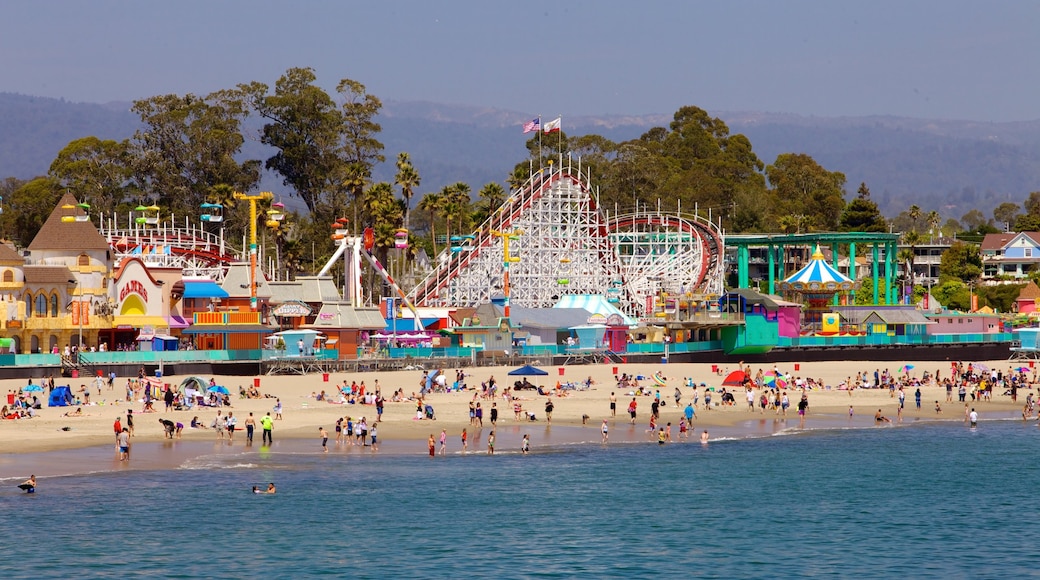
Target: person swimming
[
  {"x": 29, "y": 485},
  {"x": 256, "y": 489},
  {"x": 270, "y": 488}
]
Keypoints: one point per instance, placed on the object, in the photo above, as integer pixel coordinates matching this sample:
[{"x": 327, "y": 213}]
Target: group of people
[{"x": 525, "y": 443}]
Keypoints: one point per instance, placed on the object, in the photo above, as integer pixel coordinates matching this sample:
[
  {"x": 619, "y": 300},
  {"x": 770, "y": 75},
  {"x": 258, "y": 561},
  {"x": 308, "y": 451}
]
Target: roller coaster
[
  {"x": 561, "y": 242},
  {"x": 167, "y": 244}
]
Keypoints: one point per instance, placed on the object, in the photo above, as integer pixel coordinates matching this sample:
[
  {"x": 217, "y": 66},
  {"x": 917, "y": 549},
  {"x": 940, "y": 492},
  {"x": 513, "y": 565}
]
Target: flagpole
[
  {"x": 560, "y": 131},
  {"x": 539, "y": 143}
]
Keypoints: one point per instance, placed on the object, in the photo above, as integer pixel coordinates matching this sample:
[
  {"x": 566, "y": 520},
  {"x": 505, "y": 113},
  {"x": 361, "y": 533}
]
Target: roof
[
  {"x": 1030, "y": 292},
  {"x": 896, "y": 315},
  {"x": 754, "y": 297},
  {"x": 994, "y": 242},
  {"x": 203, "y": 289},
  {"x": 343, "y": 315},
  {"x": 548, "y": 317},
  {"x": 236, "y": 282},
  {"x": 817, "y": 270},
  {"x": 74, "y": 236},
  {"x": 48, "y": 275},
  {"x": 594, "y": 303},
  {"x": 9, "y": 255},
  {"x": 310, "y": 289}
]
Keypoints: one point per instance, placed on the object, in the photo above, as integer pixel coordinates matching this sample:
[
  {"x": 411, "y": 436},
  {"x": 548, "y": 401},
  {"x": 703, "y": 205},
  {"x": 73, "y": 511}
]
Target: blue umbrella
[
  {"x": 32, "y": 388},
  {"x": 529, "y": 371},
  {"x": 219, "y": 389}
]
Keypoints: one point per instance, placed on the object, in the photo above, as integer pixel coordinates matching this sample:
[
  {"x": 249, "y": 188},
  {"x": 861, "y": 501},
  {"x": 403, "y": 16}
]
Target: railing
[
  {"x": 886, "y": 340},
  {"x": 223, "y": 318}
]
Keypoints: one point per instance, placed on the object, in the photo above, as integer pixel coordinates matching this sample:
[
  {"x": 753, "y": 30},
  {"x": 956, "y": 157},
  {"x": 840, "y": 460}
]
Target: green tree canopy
[
  {"x": 862, "y": 214},
  {"x": 961, "y": 261}
]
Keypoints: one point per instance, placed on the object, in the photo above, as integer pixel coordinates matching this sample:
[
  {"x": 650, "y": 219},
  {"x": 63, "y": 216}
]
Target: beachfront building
[
  {"x": 66, "y": 276},
  {"x": 1009, "y": 255},
  {"x": 347, "y": 329},
  {"x": 295, "y": 303},
  {"x": 902, "y": 321},
  {"x": 141, "y": 298},
  {"x": 956, "y": 322},
  {"x": 1027, "y": 297}
]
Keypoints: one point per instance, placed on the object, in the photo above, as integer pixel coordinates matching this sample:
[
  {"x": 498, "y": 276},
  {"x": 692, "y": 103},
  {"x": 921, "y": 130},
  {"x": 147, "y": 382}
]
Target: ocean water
[{"x": 921, "y": 501}]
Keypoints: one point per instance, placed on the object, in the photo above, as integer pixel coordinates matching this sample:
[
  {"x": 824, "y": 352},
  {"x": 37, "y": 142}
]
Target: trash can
[
  {"x": 10, "y": 398},
  {"x": 75, "y": 373},
  {"x": 325, "y": 377},
  {"x": 797, "y": 367},
  {"x": 256, "y": 382},
  {"x": 613, "y": 370},
  {"x": 664, "y": 360},
  {"x": 561, "y": 371},
  {"x": 158, "y": 374},
  {"x": 714, "y": 368}
]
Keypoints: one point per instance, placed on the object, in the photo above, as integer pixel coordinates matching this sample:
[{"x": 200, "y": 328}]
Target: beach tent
[
  {"x": 528, "y": 371},
  {"x": 60, "y": 397},
  {"x": 734, "y": 379}
]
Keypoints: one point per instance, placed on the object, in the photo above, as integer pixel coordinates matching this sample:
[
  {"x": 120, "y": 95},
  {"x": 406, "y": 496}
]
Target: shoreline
[
  {"x": 160, "y": 455},
  {"x": 303, "y": 415}
]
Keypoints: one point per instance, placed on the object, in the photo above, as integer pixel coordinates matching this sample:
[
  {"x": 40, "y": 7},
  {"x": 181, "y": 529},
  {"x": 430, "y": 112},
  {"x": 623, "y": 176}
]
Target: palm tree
[
  {"x": 492, "y": 195},
  {"x": 431, "y": 202},
  {"x": 934, "y": 221},
  {"x": 357, "y": 176},
  {"x": 408, "y": 179},
  {"x": 906, "y": 256},
  {"x": 915, "y": 215}
]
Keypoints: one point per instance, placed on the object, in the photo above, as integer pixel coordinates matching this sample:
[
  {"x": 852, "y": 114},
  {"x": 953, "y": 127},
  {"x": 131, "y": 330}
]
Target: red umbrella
[{"x": 735, "y": 379}]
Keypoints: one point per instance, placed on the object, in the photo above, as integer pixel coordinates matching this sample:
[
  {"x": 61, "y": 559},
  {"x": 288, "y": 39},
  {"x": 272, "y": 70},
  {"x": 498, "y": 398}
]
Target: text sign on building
[{"x": 133, "y": 287}]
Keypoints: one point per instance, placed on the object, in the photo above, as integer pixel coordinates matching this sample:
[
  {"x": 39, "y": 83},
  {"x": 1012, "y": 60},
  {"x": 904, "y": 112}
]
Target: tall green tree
[
  {"x": 188, "y": 145},
  {"x": 305, "y": 127},
  {"x": 407, "y": 178},
  {"x": 961, "y": 261},
  {"x": 361, "y": 150},
  {"x": 1006, "y": 213},
  {"x": 97, "y": 171},
  {"x": 800, "y": 186},
  {"x": 28, "y": 207},
  {"x": 862, "y": 214},
  {"x": 492, "y": 196}
]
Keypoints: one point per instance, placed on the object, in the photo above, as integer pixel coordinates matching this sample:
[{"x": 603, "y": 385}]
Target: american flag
[{"x": 533, "y": 125}]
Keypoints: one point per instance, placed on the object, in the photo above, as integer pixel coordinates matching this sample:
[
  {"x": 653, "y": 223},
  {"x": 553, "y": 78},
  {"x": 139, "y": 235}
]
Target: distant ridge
[{"x": 952, "y": 166}]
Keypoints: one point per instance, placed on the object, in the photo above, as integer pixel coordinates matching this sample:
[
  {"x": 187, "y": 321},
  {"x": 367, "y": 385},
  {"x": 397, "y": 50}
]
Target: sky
[{"x": 940, "y": 59}]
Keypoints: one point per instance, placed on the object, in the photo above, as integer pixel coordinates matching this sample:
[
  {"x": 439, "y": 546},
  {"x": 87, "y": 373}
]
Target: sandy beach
[{"x": 303, "y": 414}]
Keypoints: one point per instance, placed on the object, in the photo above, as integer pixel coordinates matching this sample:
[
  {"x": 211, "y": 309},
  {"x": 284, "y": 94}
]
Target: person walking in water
[
  {"x": 491, "y": 443},
  {"x": 324, "y": 439},
  {"x": 444, "y": 440},
  {"x": 266, "y": 422},
  {"x": 605, "y": 428}
]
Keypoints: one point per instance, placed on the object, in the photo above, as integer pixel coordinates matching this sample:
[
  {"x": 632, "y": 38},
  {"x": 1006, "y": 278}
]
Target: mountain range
[{"x": 947, "y": 165}]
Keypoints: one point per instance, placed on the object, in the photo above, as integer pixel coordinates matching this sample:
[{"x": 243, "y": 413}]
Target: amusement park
[{"x": 550, "y": 274}]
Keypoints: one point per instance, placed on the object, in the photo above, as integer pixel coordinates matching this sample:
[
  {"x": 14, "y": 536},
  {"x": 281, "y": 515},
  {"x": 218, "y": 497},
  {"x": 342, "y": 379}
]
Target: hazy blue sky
[{"x": 952, "y": 59}]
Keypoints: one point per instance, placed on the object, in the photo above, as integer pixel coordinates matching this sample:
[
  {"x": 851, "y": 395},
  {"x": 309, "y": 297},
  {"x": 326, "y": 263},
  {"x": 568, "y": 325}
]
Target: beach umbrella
[
  {"x": 32, "y": 389},
  {"x": 528, "y": 371},
  {"x": 218, "y": 389},
  {"x": 908, "y": 368},
  {"x": 979, "y": 367},
  {"x": 734, "y": 379},
  {"x": 1022, "y": 370}
]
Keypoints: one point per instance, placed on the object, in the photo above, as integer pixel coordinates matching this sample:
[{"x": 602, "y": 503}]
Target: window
[
  {"x": 54, "y": 305},
  {"x": 84, "y": 260},
  {"x": 8, "y": 275},
  {"x": 41, "y": 305},
  {"x": 1029, "y": 252},
  {"x": 960, "y": 321},
  {"x": 28, "y": 305}
]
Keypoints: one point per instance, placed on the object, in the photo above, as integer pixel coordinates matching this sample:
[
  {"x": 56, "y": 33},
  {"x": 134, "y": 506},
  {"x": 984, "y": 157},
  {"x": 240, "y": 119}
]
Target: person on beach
[
  {"x": 879, "y": 418},
  {"x": 525, "y": 445},
  {"x": 444, "y": 440},
  {"x": 494, "y": 414},
  {"x": 491, "y": 443},
  {"x": 250, "y": 427},
  {"x": 613, "y": 404},
  {"x": 324, "y": 435},
  {"x": 277, "y": 408},
  {"x": 373, "y": 434},
  {"x": 266, "y": 422},
  {"x": 548, "y": 410},
  {"x": 230, "y": 422},
  {"x": 432, "y": 445},
  {"x": 479, "y": 416},
  {"x": 973, "y": 419},
  {"x": 689, "y": 413},
  {"x": 938, "y": 409},
  {"x": 219, "y": 426},
  {"x": 117, "y": 427},
  {"x": 661, "y": 437},
  {"x": 168, "y": 427},
  {"x": 632, "y": 411},
  {"x": 678, "y": 397},
  {"x": 130, "y": 422},
  {"x": 917, "y": 398},
  {"x": 604, "y": 428},
  {"x": 704, "y": 437},
  {"x": 464, "y": 437},
  {"x": 124, "y": 445}
]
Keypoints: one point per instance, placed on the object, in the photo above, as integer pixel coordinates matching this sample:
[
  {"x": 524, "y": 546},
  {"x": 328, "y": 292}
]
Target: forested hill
[{"x": 949, "y": 166}]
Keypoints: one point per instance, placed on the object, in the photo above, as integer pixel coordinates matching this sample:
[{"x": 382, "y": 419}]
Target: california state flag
[{"x": 552, "y": 126}]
